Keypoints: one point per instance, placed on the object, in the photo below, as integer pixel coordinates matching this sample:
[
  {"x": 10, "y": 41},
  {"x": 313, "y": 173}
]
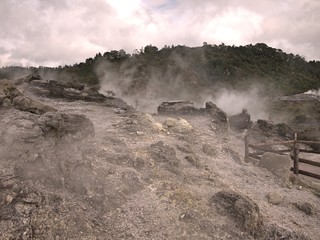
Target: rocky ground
[{"x": 90, "y": 170}]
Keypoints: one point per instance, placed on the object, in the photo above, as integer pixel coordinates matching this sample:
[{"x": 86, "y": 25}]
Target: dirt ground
[{"x": 138, "y": 177}]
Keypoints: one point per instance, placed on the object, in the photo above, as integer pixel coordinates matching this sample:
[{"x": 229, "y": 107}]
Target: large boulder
[
  {"x": 29, "y": 78},
  {"x": 61, "y": 124},
  {"x": 240, "y": 121},
  {"x": 241, "y": 209},
  {"x": 8, "y": 90},
  {"x": 216, "y": 112},
  {"x": 177, "y": 107}
]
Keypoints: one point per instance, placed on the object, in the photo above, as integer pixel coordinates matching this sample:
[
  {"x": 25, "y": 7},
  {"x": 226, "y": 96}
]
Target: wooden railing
[{"x": 294, "y": 150}]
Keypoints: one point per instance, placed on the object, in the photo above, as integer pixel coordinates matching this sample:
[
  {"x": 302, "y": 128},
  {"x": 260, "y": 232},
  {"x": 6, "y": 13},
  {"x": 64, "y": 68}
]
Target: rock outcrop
[
  {"x": 11, "y": 96},
  {"x": 244, "y": 211},
  {"x": 240, "y": 121}
]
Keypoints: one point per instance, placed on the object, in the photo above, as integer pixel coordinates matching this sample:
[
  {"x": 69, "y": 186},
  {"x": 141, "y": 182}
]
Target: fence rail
[{"x": 294, "y": 150}]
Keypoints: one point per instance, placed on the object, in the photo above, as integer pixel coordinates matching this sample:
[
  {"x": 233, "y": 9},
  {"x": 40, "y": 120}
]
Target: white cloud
[{"x": 41, "y": 32}]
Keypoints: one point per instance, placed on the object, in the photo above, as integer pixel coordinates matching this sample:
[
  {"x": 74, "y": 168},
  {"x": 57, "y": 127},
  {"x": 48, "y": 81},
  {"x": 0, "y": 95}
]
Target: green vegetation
[{"x": 206, "y": 67}]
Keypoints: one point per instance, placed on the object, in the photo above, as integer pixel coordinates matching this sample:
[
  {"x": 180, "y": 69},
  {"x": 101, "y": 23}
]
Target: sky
[{"x": 59, "y": 32}]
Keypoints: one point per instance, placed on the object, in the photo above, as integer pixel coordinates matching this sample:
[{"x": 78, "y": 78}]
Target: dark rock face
[
  {"x": 77, "y": 91},
  {"x": 216, "y": 112},
  {"x": 28, "y": 78},
  {"x": 177, "y": 107},
  {"x": 241, "y": 209},
  {"x": 240, "y": 121}
]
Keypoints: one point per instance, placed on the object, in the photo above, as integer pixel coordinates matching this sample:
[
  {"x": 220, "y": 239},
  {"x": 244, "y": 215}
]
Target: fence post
[
  {"x": 295, "y": 155},
  {"x": 246, "y": 148}
]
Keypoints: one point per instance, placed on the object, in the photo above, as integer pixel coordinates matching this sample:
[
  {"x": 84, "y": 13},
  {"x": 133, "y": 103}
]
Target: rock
[
  {"x": 28, "y": 78},
  {"x": 278, "y": 164},
  {"x": 77, "y": 91},
  {"x": 177, "y": 107},
  {"x": 8, "y": 90},
  {"x": 10, "y": 93},
  {"x": 240, "y": 121},
  {"x": 244, "y": 211},
  {"x": 164, "y": 154},
  {"x": 275, "y": 232},
  {"x": 179, "y": 125},
  {"x": 219, "y": 118},
  {"x": 305, "y": 207},
  {"x": 193, "y": 160},
  {"x": 274, "y": 198},
  {"x": 169, "y": 122},
  {"x": 184, "y": 126},
  {"x": 115, "y": 103},
  {"x": 27, "y": 104},
  {"x": 61, "y": 124},
  {"x": 216, "y": 113},
  {"x": 138, "y": 163},
  {"x": 2, "y": 96}
]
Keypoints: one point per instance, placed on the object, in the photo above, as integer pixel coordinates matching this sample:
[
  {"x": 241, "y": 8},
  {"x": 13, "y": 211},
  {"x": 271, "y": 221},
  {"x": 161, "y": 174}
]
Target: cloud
[{"x": 53, "y": 32}]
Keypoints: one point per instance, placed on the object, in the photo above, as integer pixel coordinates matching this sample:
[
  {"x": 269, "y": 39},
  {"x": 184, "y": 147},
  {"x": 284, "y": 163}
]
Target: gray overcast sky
[{"x": 58, "y": 32}]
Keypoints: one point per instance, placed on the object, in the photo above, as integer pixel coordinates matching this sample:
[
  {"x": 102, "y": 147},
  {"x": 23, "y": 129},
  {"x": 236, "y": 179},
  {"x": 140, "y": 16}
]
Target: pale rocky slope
[{"x": 87, "y": 171}]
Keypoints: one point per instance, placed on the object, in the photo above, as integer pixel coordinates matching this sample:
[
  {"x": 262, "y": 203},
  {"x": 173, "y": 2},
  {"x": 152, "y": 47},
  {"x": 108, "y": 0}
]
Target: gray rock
[
  {"x": 305, "y": 207},
  {"x": 240, "y": 121},
  {"x": 193, "y": 160},
  {"x": 244, "y": 211},
  {"x": 177, "y": 107},
  {"x": 275, "y": 232},
  {"x": 164, "y": 154},
  {"x": 274, "y": 198},
  {"x": 60, "y": 124},
  {"x": 27, "y": 104},
  {"x": 216, "y": 112}
]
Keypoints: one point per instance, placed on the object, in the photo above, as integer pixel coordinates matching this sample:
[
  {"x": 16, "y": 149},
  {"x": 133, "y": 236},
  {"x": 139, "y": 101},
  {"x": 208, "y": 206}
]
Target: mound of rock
[
  {"x": 219, "y": 118},
  {"x": 263, "y": 130},
  {"x": 244, "y": 211},
  {"x": 11, "y": 96},
  {"x": 240, "y": 121},
  {"x": 179, "y": 125},
  {"x": 177, "y": 107}
]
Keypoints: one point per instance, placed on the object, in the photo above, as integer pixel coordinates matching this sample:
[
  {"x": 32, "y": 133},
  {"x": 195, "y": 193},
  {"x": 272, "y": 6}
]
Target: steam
[
  {"x": 158, "y": 86},
  {"x": 314, "y": 92},
  {"x": 232, "y": 102}
]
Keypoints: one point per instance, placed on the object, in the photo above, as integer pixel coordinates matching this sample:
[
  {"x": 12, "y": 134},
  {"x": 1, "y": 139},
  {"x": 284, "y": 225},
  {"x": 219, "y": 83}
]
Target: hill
[
  {"x": 172, "y": 69},
  {"x": 89, "y": 169}
]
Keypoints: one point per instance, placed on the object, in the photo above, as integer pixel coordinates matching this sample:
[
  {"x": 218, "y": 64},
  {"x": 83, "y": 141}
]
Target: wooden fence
[{"x": 294, "y": 150}]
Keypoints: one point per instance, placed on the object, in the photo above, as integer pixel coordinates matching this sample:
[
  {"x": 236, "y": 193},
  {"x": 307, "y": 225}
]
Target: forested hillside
[{"x": 198, "y": 68}]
